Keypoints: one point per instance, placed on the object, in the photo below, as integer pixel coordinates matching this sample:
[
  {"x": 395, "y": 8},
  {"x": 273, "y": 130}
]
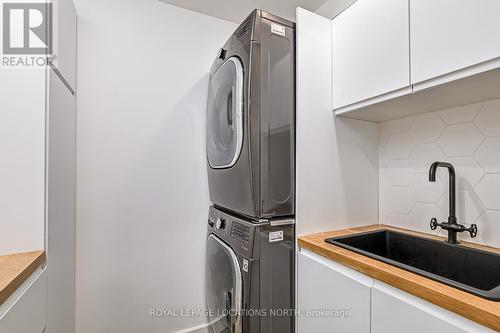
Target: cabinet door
[
  {"x": 28, "y": 312},
  {"x": 324, "y": 285},
  {"x": 371, "y": 54},
  {"x": 61, "y": 201},
  {"x": 394, "y": 311},
  {"x": 448, "y": 35}
]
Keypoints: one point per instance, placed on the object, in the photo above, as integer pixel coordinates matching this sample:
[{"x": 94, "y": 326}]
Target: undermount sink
[{"x": 471, "y": 270}]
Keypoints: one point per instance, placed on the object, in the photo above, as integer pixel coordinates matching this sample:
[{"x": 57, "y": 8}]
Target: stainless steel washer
[{"x": 249, "y": 274}]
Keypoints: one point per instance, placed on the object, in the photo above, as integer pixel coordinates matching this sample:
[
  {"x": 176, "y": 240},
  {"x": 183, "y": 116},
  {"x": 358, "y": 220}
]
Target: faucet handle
[
  {"x": 472, "y": 230},
  {"x": 434, "y": 223}
]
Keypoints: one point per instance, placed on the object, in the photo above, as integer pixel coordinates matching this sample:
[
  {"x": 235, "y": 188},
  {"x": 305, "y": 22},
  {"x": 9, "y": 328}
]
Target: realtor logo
[{"x": 27, "y": 28}]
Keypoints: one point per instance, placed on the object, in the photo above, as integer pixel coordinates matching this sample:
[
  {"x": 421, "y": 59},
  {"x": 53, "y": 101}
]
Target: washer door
[
  {"x": 224, "y": 287},
  {"x": 225, "y": 115}
]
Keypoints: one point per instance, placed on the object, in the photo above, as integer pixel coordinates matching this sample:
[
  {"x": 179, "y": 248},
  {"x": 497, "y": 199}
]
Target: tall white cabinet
[
  {"x": 36, "y": 213},
  {"x": 37, "y": 210},
  {"x": 61, "y": 175},
  {"x": 61, "y": 203}
]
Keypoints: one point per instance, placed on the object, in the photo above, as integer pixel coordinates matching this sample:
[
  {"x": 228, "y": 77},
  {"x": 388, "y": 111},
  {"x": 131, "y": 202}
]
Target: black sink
[{"x": 471, "y": 270}]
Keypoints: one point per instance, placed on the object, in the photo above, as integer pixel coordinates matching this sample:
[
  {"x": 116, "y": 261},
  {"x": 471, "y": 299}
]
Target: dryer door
[
  {"x": 225, "y": 115},
  {"x": 224, "y": 287}
]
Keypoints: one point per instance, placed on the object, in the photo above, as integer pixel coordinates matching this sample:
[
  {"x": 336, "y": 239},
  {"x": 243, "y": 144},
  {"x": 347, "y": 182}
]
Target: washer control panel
[{"x": 240, "y": 232}]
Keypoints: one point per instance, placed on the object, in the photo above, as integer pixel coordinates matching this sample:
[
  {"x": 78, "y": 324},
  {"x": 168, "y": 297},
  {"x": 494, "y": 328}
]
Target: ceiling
[{"x": 237, "y": 10}]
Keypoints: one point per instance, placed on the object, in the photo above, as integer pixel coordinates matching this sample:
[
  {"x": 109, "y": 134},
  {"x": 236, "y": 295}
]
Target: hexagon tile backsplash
[{"x": 466, "y": 136}]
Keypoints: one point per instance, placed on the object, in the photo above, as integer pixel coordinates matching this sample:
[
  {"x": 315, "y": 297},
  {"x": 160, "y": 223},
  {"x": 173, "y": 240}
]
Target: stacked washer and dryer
[{"x": 250, "y": 259}]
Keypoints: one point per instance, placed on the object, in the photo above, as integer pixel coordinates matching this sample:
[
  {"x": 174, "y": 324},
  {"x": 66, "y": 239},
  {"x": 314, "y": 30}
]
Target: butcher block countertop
[
  {"x": 15, "y": 269},
  {"x": 480, "y": 310}
]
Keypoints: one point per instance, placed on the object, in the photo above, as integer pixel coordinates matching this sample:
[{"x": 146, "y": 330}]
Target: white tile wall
[{"x": 466, "y": 136}]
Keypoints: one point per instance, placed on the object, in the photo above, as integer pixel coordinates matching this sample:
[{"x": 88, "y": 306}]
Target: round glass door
[
  {"x": 225, "y": 115},
  {"x": 224, "y": 287}
]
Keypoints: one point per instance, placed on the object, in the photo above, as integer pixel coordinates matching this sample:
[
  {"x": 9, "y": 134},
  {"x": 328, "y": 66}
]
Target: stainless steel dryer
[
  {"x": 249, "y": 274},
  {"x": 251, "y": 118}
]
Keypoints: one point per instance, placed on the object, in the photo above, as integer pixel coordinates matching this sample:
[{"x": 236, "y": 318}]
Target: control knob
[{"x": 220, "y": 224}]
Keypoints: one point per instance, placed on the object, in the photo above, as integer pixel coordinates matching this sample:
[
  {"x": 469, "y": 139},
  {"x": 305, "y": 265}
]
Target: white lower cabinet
[
  {"x": 395, "y": 311},
  {"x": 374, "y": 306},
  {"x": 331, "y": 297},
  {"x": 26, "y": 310}
]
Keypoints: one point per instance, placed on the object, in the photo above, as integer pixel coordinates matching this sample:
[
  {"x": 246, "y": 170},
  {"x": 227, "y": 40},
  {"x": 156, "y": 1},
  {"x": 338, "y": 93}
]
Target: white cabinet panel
[
  {"x": 65, "y": 27},
  {"x": 342, "y": 152},
  {"x": 371, "y": 52},
  {"x": 61, "y": 207},
  {"x": 448, "y": 35},
  {"x": 326, "y": 285},
  {"x": 394, "y": 311},
  {"x": 28, "y": 312}
]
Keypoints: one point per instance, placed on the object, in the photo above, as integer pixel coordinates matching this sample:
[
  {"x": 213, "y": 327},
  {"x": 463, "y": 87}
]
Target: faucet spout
[
  {"x": 451, "y": 226},
  {"x": 433, "y": 171},
  {"x": 452, "y": 186}
]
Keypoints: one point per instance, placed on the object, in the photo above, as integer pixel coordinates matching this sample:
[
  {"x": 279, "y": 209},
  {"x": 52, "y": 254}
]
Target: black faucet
[{"x": 451, "y": 226}]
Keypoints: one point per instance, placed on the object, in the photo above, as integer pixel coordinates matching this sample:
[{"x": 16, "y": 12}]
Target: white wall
[
  {"x": 469, "y": 138},
  {"x": 337, "y": 158},
  {"x": 22, "y": 164},
  {"x": 142, "y": 192}
]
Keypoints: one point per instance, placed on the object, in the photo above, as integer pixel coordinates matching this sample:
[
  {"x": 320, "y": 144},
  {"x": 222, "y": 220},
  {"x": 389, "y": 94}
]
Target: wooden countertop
[
  {"x": 15, "y": 269},
  {"x": 477, "y": 309}
]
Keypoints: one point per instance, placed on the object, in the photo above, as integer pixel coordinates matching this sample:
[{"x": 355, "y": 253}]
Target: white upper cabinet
[
  {"x": 449, "y": 35},
  {"x": 396, "y": 58},
  {"x": 370, "y": 51}
]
